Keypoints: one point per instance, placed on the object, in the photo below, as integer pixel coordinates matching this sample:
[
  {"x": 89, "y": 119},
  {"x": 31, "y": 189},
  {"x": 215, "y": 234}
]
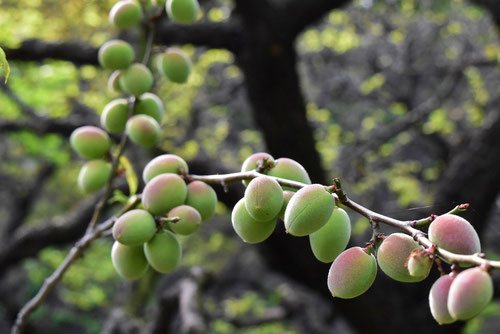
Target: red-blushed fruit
[
  {"x": 287, "y": 195},
  {"x": 352, "y": 273},
  {"x": 330, "y": 240},
  {"x": 183, "y": 11},
  {"x": 163, "y": 252},
  {"x": 116, "y": 54},
  {"x": 455, "y": 234},
  {"x": 134, "y": 227},
  {"x": 114, "y": 82},
  {"x": 143, "y": 130},
  {"x": 162, "y": 164},
  {"x": 469, "y": 294},
  {"x": 392, "y": 256},
  {"x": 189, "y": 220},
  {"x": 136, "y": 79},
  {"x": 125, "y": 14},
  {"x": 263, "y": 198},
  {"x": 438, "y": 300},
  {"x": 90, "y": 142},
  {"x": 419, "y": 263},
  {"x": 291, "y": 170},
  {"x": 94, "y": 175},
  {"x": 202, "y": 197},
  {"x": 151, "y": 105},
  {"x": 115, "y": 115},
  {"x": 249, "y": 229},
  {"x": 253, "y": 161},
  {"x": 308, "y": 210},
  {"x": 129, "y": 261},
  {"x": 163, "y": 193},
  {"x": 175, "y": 65}
]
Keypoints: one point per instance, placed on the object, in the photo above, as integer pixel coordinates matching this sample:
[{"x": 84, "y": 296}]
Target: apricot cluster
[{"x": 148, "y": 237}]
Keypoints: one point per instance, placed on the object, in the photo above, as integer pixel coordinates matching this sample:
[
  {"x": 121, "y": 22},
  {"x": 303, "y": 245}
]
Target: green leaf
[
  {"x": 4, "y": 65},
  {"x": 130, "y": 175}
]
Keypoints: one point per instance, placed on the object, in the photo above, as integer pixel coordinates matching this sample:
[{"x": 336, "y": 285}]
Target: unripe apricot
[
  {"x": 125, "y": 14},
  {"x": 114, "y": 82},
  {"x": 151, "y": 105},
  {"x": 163, "y": 252},
  {"x": 115, "y": 54},
  {"x": 165, "y": 163},
  {"x": 183, "y": 11},
  {"x": 291, "y": 170},
  {"x": 114, "y": 116},
  {"x": 249, "y": 229},
  {"x": 308, "y": 210},
  {"x": 175, "y": 65},
  {"x": 189, "y": 219},
  {"x": 352, "y": 273},
  {"x": 163, "y": 193},
  {"x": 136, "y": 79},
  {"x": 94, "y": 175},
  {"x": 438, "y": 300},
  {"x": 202, "y": 197},
  {"x": 392, "y": 255},
  {"x": 252, "y": 162},
  {"x": 90, "y": 142},
  {"x": 129, "y": 261},
  {"x": 143, "y": 130},
  {"x": 454, "y": 234},
  {"x": 134, "y": 227},
  {"x": 287, "y": 196},
  {"x": 469, "y": 294},
  {"x": 263, "y": 198},
  {"x": 330, "y": 240},
  {"x": 419, "y": 264}
]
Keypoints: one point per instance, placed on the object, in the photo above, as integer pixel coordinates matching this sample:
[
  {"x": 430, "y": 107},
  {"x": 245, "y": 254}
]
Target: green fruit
[
  {"x": 151, "y": 105},
  {"x": 454, "y": 234},
  {"x": 419, "y": 264},
  {"x": 253, "y": 161},
  {"x": 202, "y": 197},
  {"x": 134, "y": 228},
  {"x": 249, "y": 229},
  {"x": 393, "y": 254},
  {"x": 438, "y": 300},
  {"x": 143, "y": 130},
  {"x": 114, "y": 82},
  {"x": 94, "y": 175},
  {"x": 163, "y": 193},
  {"x": 175, "y": 65},
  {"x": 116, "y": 54},
  {"x": 125, "y": 14},
  {"x": 136, "y": 79},
  {"x": 330, "y": 240},
  {"x": 291, "y": 170},
  {"x": 129, "y": 261},
  {"x": 166, "y": 163},
  {"x": 352, "y": 273},
  {"x": 308, "y": 210},
  {"x": 469, "y": 294},
  {"x": 287, "y": 195},
  {"x": 114, "y": 116},
  {"x": 183, "y": 11},
  {"x": 263, "y": 198},
  {"x": 189, "y": 220},
  {"x": 163, "y": 252},
  {"x": 90, "y": 142}
]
